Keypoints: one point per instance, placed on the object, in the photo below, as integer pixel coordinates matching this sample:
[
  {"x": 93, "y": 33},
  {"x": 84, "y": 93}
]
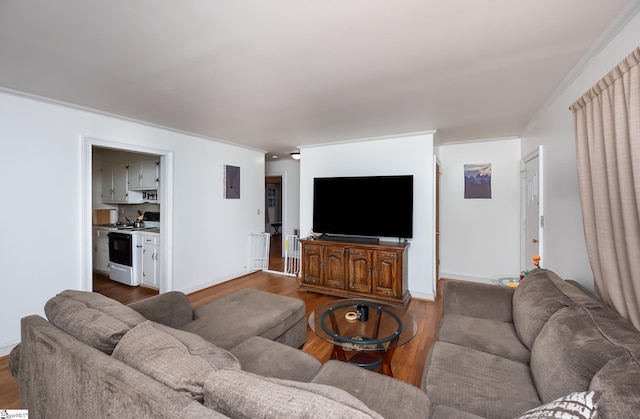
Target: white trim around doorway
[{"x": 166, "y": 203}]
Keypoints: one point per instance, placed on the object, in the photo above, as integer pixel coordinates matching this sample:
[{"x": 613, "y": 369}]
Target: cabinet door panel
[
  {"x": 107, "y": 185},
  {"x": 120, "y": 187},
  {"x": 334, "y": 267},
  {"x": 312, "y": 265},
  {"x": 148, "y": 175},
  {"x": 386, "y": 278},
  {"x": 359, "y": 270}
]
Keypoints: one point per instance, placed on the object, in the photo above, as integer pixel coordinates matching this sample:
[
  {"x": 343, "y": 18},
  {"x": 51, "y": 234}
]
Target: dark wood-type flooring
[{"x": 407, "y": 363}]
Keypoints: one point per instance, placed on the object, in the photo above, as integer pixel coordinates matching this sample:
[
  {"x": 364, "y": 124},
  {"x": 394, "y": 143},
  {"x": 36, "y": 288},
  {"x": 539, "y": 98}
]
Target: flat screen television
[{"x": 367, "y": 206}]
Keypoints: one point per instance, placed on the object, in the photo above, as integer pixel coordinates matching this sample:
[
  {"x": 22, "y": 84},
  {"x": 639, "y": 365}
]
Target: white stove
[{"x": 125, "y": 250}]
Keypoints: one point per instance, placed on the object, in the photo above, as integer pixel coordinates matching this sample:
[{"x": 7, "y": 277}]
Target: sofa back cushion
[
  {"x": 573, "y": 346},
  {"x": 534, "y": 302},
  {"x": 618, "y": 381},
  {"x": 179, "y": 359},
  {"x": 240, "y": 394},
  {"x": 92, "y": 318}
]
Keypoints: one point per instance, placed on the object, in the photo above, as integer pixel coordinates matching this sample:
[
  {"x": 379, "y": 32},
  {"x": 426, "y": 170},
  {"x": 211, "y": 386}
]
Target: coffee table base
[{"x": 370, "y": 360}]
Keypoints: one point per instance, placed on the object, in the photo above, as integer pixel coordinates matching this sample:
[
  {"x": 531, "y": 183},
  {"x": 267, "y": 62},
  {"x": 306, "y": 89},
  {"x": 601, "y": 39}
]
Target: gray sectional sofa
[
  {"x": 500, "y": 353},
  {"x": 158, "y": 358}
]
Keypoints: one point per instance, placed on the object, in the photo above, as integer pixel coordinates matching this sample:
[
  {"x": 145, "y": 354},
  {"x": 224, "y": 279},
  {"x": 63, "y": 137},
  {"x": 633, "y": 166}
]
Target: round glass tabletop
[{"x": 340, "y": 323}]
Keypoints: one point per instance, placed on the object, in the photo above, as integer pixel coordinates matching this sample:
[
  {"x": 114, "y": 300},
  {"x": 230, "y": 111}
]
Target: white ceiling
[{"x": 277, "y": 74}]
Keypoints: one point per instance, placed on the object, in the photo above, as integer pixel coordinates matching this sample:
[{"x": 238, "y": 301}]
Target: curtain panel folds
[{"x": 607, "y": 129}]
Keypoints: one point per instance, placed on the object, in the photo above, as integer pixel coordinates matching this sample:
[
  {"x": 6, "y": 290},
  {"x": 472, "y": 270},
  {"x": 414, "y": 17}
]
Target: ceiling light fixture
[{"x": 295, "y": 155}]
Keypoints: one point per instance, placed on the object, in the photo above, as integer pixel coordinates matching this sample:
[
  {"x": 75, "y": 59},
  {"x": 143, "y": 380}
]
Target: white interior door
[{"x": 532, "y": 209}]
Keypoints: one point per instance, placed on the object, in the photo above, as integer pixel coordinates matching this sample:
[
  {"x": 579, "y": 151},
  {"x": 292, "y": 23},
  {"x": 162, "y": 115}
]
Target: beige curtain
[{"x": 607, "y": 124}]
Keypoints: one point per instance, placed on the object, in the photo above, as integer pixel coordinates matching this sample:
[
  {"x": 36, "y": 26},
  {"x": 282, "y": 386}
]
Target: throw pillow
[
  {"x": 180, "y": 360},
  {"x": 579, "y": 405},
  {"x": 92, "y": 318},
  {"x": 240, "y": 394}
]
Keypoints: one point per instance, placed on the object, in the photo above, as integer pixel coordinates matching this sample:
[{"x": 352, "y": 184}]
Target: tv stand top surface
[
  {"x": 362, "y": 241},
  {"x": 349, "y": 239}
]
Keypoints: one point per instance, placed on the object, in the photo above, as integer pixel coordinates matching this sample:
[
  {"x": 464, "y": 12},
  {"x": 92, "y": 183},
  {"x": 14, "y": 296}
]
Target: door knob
[{"x": 534, "y": 241}]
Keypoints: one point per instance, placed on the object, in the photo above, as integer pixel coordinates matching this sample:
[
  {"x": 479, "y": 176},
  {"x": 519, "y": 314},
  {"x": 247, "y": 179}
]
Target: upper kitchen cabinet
[
  {"x": 144, "y": 175},
  {"x": 114, "y": 184},
  {"x": 134, "y": 183},
  {"x": 144, "y": 181}
]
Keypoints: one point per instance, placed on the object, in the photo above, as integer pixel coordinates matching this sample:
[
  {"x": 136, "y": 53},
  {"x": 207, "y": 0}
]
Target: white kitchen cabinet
[
  {"x": 114, "y": 184},
  {"x": 151, "y": 261},
  {"x": 144, "y": 175},
  {"x": 144, "y": 180},
  {"x": 101, "y": 250}
]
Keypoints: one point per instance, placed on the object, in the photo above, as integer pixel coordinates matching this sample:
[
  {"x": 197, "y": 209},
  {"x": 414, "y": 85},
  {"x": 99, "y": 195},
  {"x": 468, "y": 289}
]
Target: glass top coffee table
[{"x": 363, "y": 332}]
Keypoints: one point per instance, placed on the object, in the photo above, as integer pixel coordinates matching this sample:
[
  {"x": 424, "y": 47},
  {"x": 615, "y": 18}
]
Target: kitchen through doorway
[{"x": 164, "y": 199}]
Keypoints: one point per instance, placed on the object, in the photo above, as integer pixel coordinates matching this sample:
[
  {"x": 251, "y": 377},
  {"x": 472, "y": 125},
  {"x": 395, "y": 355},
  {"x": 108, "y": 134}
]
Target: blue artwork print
[{"x": 477, "y": 181}]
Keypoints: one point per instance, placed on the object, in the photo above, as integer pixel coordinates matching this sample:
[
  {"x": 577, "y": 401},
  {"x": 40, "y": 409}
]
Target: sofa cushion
[
  {"x": 447, "y": 412},
  {"x": 534, "y": 302},
  {"x": 179, "y": 359},
  {"x": 390, "y": 397},
  {"x": 272, "y": 359},
  {"x": 92, "y": 318},
  {"x": 494, "y": 337},
  {"x": 474, "y": 299},
  {"x": 240, "y": 394},
  {"x": 571, "y": 349},
  {"x": 574, "y": 290},
  {"x": 578, "y": 405},
  {"x": 618, "y": 383},
  {"x": 171, "y": 308},
  {"x": 477, "y": 382},
  {"x": 236, "y": 317}
]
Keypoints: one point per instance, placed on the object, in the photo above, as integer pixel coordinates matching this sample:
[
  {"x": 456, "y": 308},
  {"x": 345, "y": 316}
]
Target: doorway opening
[
  {"x": 532, "y": 209},
  {"x": 273, "y": 221},
  {"x": 164, "y": 199}
]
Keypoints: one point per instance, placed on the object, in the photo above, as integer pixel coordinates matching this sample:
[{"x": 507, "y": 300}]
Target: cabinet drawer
[{"x": 151, "y": 240}]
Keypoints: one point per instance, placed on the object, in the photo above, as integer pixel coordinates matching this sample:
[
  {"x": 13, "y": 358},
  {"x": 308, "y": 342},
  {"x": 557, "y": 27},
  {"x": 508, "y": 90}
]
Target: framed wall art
[{"x": 477, "y": 181}]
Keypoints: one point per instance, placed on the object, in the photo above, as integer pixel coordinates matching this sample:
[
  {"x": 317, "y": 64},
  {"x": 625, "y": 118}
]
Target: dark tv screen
[{"x": 370, "y": 206}]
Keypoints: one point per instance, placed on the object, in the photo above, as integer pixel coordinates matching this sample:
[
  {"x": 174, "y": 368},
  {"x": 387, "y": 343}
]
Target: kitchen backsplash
[
  {"x": 125, "y": 210},
  {"x": 131, "y": 211}
]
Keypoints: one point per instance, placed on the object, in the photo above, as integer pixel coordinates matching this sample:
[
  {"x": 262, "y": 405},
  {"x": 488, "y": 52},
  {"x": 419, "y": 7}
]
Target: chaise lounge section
[{"x": 233, "y": 318}]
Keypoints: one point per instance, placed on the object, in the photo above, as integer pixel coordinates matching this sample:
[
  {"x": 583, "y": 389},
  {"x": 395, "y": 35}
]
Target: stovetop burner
[{"x": 132, "y": 228}]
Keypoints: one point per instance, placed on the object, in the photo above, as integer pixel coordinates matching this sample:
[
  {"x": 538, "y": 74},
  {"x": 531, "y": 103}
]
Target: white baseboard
[
  {"x": 5, "y": 350},
  {"x": 217, "y": 281},
  {"x": 422, "y": 295},
  {"x": 465, "y": 277}
]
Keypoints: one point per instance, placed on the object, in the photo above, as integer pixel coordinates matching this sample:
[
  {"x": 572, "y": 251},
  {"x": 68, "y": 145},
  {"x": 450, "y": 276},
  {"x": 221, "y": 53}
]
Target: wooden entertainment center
[{"x": 356, "y": 269}]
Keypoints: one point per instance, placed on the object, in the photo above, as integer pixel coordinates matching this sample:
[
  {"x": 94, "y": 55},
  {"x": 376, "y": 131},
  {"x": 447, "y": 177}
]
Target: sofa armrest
[
  {"x": 390, "y": 397},
  {"x": 267, "y": 358},
  {"x": 172, "y": 309},
  {"x": 473, "y": 299},
  {"x": 14, "y": 360}
]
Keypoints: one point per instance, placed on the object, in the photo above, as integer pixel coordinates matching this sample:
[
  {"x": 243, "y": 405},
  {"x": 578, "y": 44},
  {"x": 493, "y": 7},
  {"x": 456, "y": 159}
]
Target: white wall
[
  {"x": 41, "y": 178},
  {"x": 289, "y": 169},
  {"x": 565, "y": 250},
  {"x": 401, "y": 155},
  {"x": 480, "y": 238}
]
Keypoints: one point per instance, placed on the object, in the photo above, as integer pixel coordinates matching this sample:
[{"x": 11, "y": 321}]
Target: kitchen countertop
[{"x": 124, "y": 227}]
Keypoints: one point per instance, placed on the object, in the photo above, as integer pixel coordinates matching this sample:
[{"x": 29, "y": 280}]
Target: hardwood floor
[
  {"x": 276, "y": 258},
  {"x": 407, "y": 363},
  {"x": 120, "y": 292}
]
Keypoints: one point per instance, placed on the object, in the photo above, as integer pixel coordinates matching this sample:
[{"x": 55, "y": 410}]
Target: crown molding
[{"x": 628, "y": 12}]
